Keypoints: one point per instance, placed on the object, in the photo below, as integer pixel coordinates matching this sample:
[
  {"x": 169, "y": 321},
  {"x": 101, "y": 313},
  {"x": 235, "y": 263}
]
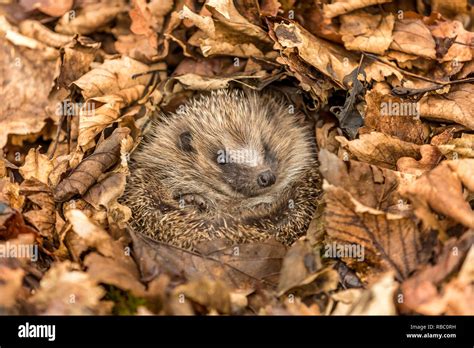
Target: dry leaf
[
  {"x": 65, "y": 290},
  {"x": 37, "y": 166},
  {"x": 441, "y": 190},
  {"x": 88, "y": 171}
]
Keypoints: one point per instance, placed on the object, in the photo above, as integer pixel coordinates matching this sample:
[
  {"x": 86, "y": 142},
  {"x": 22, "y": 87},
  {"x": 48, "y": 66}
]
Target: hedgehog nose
[{"x": 266, "y": 179}]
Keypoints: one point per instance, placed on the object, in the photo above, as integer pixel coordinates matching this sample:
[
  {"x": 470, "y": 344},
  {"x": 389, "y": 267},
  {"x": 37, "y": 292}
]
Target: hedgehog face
[{"x": 231, "y": 149}]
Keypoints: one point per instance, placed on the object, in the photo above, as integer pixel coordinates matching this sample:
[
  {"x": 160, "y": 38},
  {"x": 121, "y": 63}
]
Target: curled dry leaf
[
  {"x": 40, "y": 32},
  {"x": 430, "y": 157},
  {"x": 111, "y": 77},
  {"x": 393, "y": 116},
  {"x": 441, "y": 189},
  {"x": 12, "y": 223},
  {"x": 218, "y": 33},
  {"x": 328, "y": 58},
  {"x": 379, "y": 149},
  {"x": 462, "y": 147},
  {"x": 92, "y": 119},
  {"x": 456, "y": 106},
  {"x": 88, "y": 171},
  {"x": 76, "y": 58}
]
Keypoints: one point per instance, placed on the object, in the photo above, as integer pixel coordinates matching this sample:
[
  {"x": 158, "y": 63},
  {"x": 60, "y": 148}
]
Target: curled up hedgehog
[{"x": 231, "y": 164}]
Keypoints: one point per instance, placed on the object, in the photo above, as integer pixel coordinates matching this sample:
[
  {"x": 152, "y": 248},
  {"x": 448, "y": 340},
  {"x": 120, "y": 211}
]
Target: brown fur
[{"x": 179, "y": 193}]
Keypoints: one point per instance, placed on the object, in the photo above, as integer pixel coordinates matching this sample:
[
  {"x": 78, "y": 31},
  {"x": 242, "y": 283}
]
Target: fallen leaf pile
[{"x": 389, "y": 87}]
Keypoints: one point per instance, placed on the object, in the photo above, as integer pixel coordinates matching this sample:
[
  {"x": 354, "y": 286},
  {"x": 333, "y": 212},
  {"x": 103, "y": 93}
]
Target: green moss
[{"x": 124, "y": 302}]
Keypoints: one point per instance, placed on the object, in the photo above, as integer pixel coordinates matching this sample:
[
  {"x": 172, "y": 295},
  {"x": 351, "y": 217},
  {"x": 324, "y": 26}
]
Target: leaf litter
[{"x": 389, "y": 88}]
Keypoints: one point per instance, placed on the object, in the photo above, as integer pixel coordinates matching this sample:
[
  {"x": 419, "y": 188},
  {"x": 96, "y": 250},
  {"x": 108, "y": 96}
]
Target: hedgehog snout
[{"x": 266, "y": 179}]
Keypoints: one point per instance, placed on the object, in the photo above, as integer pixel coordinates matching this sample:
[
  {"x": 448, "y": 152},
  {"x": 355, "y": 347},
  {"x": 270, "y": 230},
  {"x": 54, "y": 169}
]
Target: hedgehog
[{"x": 232, "y": 164}]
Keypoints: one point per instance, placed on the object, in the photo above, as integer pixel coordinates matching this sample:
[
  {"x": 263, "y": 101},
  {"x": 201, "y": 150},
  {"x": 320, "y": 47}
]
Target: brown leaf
[
  {"x": 430, "y": 157},
  {"x": 12, "y": 223},
  {"x": 76, "y": 58},
  {"x": 362, "y": 31},
  {"x": 420, "y": 292},
  {"x": 65, "y": 290},
  {"x": 111, "y": 77},
  {"x": 54, "y": 8},
  {"x": 241, "y": 266},
  {"x": 441, "y": 190},
  {"x": 37, "y": 166},
  {"x": 301, "y": 272},
  {"x": 373, "y": 215},
  {"x": 11, "y": 280},
  {"x": 393, "y": 116},
  {"x": 40, "y": 32},
  {"x": 227, "y": 32},
  {"x": 212, "y": 294},
  {"x": 330, "y": 59},
  {"x": 377, "y": 300},
  {"x": 90, "y": 17},
  {"x": 44, "y": 218},
  {"x": 379, "y": 149},
  {"x": 25, "y": 77},
  {"x": 93, "y": 119},
  {"x": 413, "y": 37},
  {"x": 455, "y": 106},
  {"x": 340, "y": 7},
  {"x": 88, "y": 171},
  {"x": 112, "y": 264},
  {"x": 106, "y": 191}
]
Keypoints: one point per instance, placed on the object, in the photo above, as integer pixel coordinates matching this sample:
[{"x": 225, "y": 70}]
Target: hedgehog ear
[{"x": 184, "y": 141}]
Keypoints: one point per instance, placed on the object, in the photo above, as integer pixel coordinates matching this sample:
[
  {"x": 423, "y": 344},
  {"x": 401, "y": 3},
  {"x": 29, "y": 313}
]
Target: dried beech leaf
[
  {"x": 441, "y": 190},
  {"x": 380, "y": 149},
  {"x": 25, "y": 77},
  {"x": 112, "y": 76},
  {"x": 456, "y": 106},
  {"x": 37, "y": 166},
  {"x": 241, "y": 266},
  {"x": 391, "y": 242},
  {"x": 413, "y": 37},
  {"x": 362, "y": 31},
  {"x": 93, "y": 120},
  {"x": 44, "y": 218}
]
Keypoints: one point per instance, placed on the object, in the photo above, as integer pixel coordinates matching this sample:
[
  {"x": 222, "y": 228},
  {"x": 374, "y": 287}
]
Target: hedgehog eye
[{"x": 184, "y": 142}]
